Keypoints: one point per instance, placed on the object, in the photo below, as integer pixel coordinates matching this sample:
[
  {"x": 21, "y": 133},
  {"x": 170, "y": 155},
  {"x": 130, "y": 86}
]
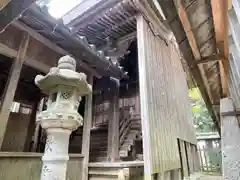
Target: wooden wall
[
  {"x": 101, "y": 105},
  {"x": 41, "y": 56},
  {"x": 133, "y": 101},
  {"x": 165, "y": 106},
  {"x": 234, "y": 76},
  {"x": 16, "y": 133},
  {"x": 234, "y": 50},
  {"x": 16, "y": 166},
  {"x": 100, "y": 109}
]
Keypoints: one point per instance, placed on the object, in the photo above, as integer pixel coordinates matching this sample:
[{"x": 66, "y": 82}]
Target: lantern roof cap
[{"x": 64, "y": 74}]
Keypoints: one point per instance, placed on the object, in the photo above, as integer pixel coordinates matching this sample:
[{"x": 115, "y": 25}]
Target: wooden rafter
[
  {"x": 3, "y": 3},
  {"x": 90, "y": 15},
  {"x": 219, "y": 12},
  {"x": 12, "y": 11},
  {"x": 192, "y": 41},
  {"x": 212, "y": 58},
  {"x": 196, "y": 53},
  {"x": 12, "y": 53}
]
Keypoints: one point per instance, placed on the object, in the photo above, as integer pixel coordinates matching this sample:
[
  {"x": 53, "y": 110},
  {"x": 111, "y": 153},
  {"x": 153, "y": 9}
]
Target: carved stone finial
[{"x": 67, "y": 62}]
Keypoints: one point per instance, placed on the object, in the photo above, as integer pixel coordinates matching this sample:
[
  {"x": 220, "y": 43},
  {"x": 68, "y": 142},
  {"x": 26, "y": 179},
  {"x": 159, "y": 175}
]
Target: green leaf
[
  {"x": 196, "y": 109},
  {"x": 195, "y": 94}
]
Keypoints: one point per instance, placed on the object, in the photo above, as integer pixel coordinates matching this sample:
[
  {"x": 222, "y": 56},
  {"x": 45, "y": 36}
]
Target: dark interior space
[
  {"x": 129, "y": 62},
  {"x": 26, "y": 91}
]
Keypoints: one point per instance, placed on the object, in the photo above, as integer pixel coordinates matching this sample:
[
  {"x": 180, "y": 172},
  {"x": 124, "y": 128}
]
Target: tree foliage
[{"x": 201, "y": 117}]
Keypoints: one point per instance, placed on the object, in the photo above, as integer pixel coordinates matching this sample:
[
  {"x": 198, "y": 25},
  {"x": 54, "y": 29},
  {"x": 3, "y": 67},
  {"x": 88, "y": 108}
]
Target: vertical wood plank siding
[
  {"x": 100, "y": 109},
  {"x": 234, "y": 50},
  {"x": 234, "y": 77},
  {"x": 165, "y": 106}
]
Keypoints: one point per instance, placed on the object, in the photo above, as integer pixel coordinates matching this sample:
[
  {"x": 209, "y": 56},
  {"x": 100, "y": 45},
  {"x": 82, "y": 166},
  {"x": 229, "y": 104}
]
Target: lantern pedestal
[{"x": 56, "y": 154}]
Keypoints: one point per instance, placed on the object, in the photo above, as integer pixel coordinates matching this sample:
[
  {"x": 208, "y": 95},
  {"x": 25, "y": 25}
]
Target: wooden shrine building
[{"x": 140, "y": 56}]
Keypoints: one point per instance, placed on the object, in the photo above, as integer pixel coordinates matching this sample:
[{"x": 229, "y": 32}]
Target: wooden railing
[{"x": 125, "y": 122}]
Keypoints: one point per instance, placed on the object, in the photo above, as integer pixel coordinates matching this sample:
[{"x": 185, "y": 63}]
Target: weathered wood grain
[
  {"x": 86, "y": 131},
  {"x": 12, "y": 11},
  {"x": 16, "y": 132},
  {"x": 220, "y": 19},
  {"x": 165, "y": 106},
  {"x": 113, "y": 125},
  {"x": 11, "y": 86}
]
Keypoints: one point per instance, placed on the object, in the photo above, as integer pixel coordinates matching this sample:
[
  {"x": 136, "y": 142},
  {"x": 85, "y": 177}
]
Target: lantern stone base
[{"x": 55, "y": 157}]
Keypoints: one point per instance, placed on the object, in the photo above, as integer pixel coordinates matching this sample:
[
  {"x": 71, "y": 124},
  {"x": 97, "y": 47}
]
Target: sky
[{"x": 58, "y": 8}]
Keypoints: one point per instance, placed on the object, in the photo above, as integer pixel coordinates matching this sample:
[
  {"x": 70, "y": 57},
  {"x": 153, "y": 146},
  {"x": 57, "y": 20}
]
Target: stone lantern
[{"x": 65, "y": 87}]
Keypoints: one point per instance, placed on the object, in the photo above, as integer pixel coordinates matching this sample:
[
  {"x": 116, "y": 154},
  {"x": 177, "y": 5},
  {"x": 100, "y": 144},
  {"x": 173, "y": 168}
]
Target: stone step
[
  {"x": 102, "y": 177},
  {"x": 98, "y": 159},
  {"x": 104, "y": 171},
  {"x": 139, "y": 157}
]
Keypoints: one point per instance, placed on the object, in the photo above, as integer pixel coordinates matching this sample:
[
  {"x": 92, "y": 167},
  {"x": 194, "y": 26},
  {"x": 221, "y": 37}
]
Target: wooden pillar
[
  {"x": 28, "y": 147},
  {"x": 190, "y": 157},
  {"x": 11, "y": 86},
  {"x": 176, "y": 174},
  {"x": 113, "y": 124},
  {"x": 230, "y": 133},
  {"x": 183, "y": 154},
  {"x": 197, "y": 159},
  {"x": 87, "y": 124},
  {"x": 37, "y": 129}
]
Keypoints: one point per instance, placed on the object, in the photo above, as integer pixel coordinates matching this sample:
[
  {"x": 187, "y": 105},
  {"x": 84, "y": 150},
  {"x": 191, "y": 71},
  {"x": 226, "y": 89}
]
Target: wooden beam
[
  {"x": 212, "y": 58},
  {"x": 11, "y": 86},
  {"x": 113, "y": 124},
  {"x": 205, "y": 87},
  {"x": 229, "y": 4},
  {"x": 9, "y": 52},
  {"x": 156, "y": 21},
  {"x": 192, "y": 41},
  {"x": 220, "y": 19},
  {"x": 52, "y": 45},
  {"x": 231, "y": 113},
  {"x": 3, "y": 3},
  {"x": 87, "y": 124},
  {"x": 12, "y": 11}
]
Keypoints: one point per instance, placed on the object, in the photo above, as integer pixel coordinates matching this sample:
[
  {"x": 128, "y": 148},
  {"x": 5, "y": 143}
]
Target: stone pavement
[
  {"x": 204, "y": 176},
  {"x": 209, "y": 177}
]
